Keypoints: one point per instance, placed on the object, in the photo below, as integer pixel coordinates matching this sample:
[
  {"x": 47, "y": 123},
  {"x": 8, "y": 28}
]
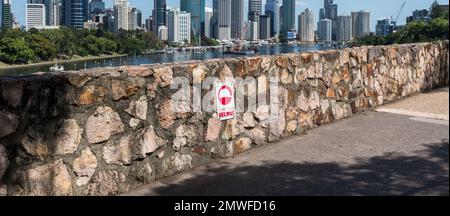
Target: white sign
[{"x": 225, "y": 100}]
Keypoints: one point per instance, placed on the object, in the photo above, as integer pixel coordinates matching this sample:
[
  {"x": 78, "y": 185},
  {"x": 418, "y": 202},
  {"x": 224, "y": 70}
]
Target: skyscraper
[
  {"x": 344, "y": 26},
  {"x": 159, "y": 14},
  {"x": 134, "y": 18},
  {"x": 324, "y": 29},
  {"x": 208, "y": 19},
  {"x": 222, "y": 19},
  {"x": 237, "y": 22},
  {"x": 360, "y": 24},
  {"x": 86, "y": 11},
  {"x": 97, "y": 6},
  {"x": 272, "y": 9},
  {"x": 6, "y": 14},
  {"x": 52, "y": 12},
  {"x": 264, "y": 27},
  {"x": 197, "y": 10},
  {"x": 306, "y": 26},
  {"x": 35, "y": 16},
  {"x": 254, "y": 10},
  {"x": 288, "y": 16},
  {"x": 179, "y": 25},
  {"x": 321, "y": 14},
  {"x": 121, "y": 15},
  {"x": 331, "y": 12},
  {"x": 72, "y": 15}
]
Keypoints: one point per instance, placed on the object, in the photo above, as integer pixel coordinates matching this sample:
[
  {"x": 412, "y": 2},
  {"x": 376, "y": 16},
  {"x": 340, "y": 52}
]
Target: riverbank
[
  {"x": 74, "y": 59},
  {"x": 153, "y": 59}
]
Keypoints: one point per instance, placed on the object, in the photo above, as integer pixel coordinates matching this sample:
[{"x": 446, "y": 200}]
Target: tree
[
  {"x": 209, "y": 42},
  {"x": 283, "y": 38},
  {"x": 15, "y": 50},
  {"x": 150, "y": 40},
  {"x": 41, "y": 46},
  {"x": 436, "y": 11},
  {"x": 133, "y": 46}
]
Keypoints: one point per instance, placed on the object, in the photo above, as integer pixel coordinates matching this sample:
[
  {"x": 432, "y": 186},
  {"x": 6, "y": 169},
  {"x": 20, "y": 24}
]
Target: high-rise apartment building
[
  {"x": 344, "y": 26},
  {"x": 272, "y": 9},
  {"x": 306, "y": 26},
  {"x": 72, "y": 13},
  {"x": 35, "y": 16},
  {"x": 331, "y": 13},
  {"x": 384, "y": 27},
  {"x": 264, "y": 27},
  {"x": 288, "y": 16},
  {"x": 179, "y": 25},
  {"x": 360, "y": 24},
  {"x": 52, "y": 11},
  {"x": 208, "y": 19},
  {"x": 96, "y": 6},
  {"x": 121, "y": 15},
  {"x": 197, "y": 10},
  {"x": 7, "y": 19},
  {"x": 237, "y": 21},
  {"x": 254, "y": 10},
  {"x": 134, "y": 18},
  {"x": 325, "y": 30},
  {"x": 222, "y": 19},
  {"x": 419, "y": 15},
  {"x": 159, "y": 14}
]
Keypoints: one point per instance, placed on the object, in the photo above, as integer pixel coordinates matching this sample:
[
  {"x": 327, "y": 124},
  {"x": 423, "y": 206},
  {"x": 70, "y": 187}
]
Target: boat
[
  {"x": 239, "y": 52},
  {"x": 56, "y": 68},
  {"x": 239, "y": 49}
]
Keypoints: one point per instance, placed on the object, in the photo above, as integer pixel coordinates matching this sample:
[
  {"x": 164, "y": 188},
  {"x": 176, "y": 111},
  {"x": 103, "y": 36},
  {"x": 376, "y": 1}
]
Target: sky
[{"x": 377, "y": 8}]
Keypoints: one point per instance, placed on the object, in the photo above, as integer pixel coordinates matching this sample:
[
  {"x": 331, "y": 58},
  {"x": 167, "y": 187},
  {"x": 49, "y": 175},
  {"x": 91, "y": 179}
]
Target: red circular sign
[{"x": 225, "y": 95}]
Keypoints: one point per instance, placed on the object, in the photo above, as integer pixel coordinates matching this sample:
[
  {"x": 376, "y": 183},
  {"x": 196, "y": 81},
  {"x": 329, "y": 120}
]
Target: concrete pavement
[
  {"x": 374, "y": 153},
  {"x": 432, "y": 104}
]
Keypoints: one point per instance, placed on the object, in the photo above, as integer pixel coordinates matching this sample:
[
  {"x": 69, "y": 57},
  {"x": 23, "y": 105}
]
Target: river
[{"x": 158, "y": 58}]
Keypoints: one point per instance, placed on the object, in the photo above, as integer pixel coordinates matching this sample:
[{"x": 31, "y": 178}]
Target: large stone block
[
  {"x": 163, "y": 76},
  {"x": 146, "y": 142},
  {"x": 177, "y": 163},
  {"x": 4, "y": 162},
  {"x": 104, "y": 123},
  {"x": 138, "y": 108},
  {"x": 12, "y": 92},
  {"x": 213, "y": 130},
  {"x": 84, "y": 166},
  {"x": 68, "y": 137},
  {"x": 9, "y": 123}
]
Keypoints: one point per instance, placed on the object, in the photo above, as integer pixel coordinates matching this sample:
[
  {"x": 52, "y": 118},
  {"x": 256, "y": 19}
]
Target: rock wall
[{"x": 109, "y": 130}]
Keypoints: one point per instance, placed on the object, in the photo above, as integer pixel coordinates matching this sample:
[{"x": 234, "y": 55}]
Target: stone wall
[{"x": 109, "y": 130}]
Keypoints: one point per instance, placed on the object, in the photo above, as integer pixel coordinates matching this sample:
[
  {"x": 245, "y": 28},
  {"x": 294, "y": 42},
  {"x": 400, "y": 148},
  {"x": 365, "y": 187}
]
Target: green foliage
[
  {"x": 18, "y": 46},
  {"x": 413, "y": 32},
  {"x": 41, "y": 46},
  {"x": 283, "y": 38},
  {"x": 436, "y": 11},
  {"x": 209, "y": 42},
  {"x": 370, "y": 39},
  {"x": 15, "y": 50},
  {"x": 132, "y": 46}
]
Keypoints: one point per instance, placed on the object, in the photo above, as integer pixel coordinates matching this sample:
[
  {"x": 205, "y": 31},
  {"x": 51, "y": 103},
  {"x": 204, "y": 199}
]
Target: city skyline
[{"x": 377, "y": 9}]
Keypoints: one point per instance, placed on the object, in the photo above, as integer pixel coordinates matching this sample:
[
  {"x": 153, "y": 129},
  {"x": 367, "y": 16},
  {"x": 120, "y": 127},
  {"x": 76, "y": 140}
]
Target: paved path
[
  {"x": 374, "y": 153},
  {"x": 429, "y": 105}
]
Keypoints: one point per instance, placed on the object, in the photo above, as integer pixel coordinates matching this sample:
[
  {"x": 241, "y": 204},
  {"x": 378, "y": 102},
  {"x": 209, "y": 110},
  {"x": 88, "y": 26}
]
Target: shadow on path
[{"x": 424, "y": 173}]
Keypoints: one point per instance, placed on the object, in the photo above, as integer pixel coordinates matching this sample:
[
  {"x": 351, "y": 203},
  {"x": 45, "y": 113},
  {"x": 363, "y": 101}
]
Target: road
[{"x": 374, "y": 153}]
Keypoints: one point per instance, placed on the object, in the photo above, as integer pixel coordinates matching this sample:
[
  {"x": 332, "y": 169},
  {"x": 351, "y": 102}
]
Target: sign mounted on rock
[{"x": 225, "y": 100}]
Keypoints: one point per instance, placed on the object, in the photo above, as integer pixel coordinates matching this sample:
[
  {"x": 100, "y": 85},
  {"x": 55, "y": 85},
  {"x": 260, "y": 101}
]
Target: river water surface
[{"x": 159, "y": 58}]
